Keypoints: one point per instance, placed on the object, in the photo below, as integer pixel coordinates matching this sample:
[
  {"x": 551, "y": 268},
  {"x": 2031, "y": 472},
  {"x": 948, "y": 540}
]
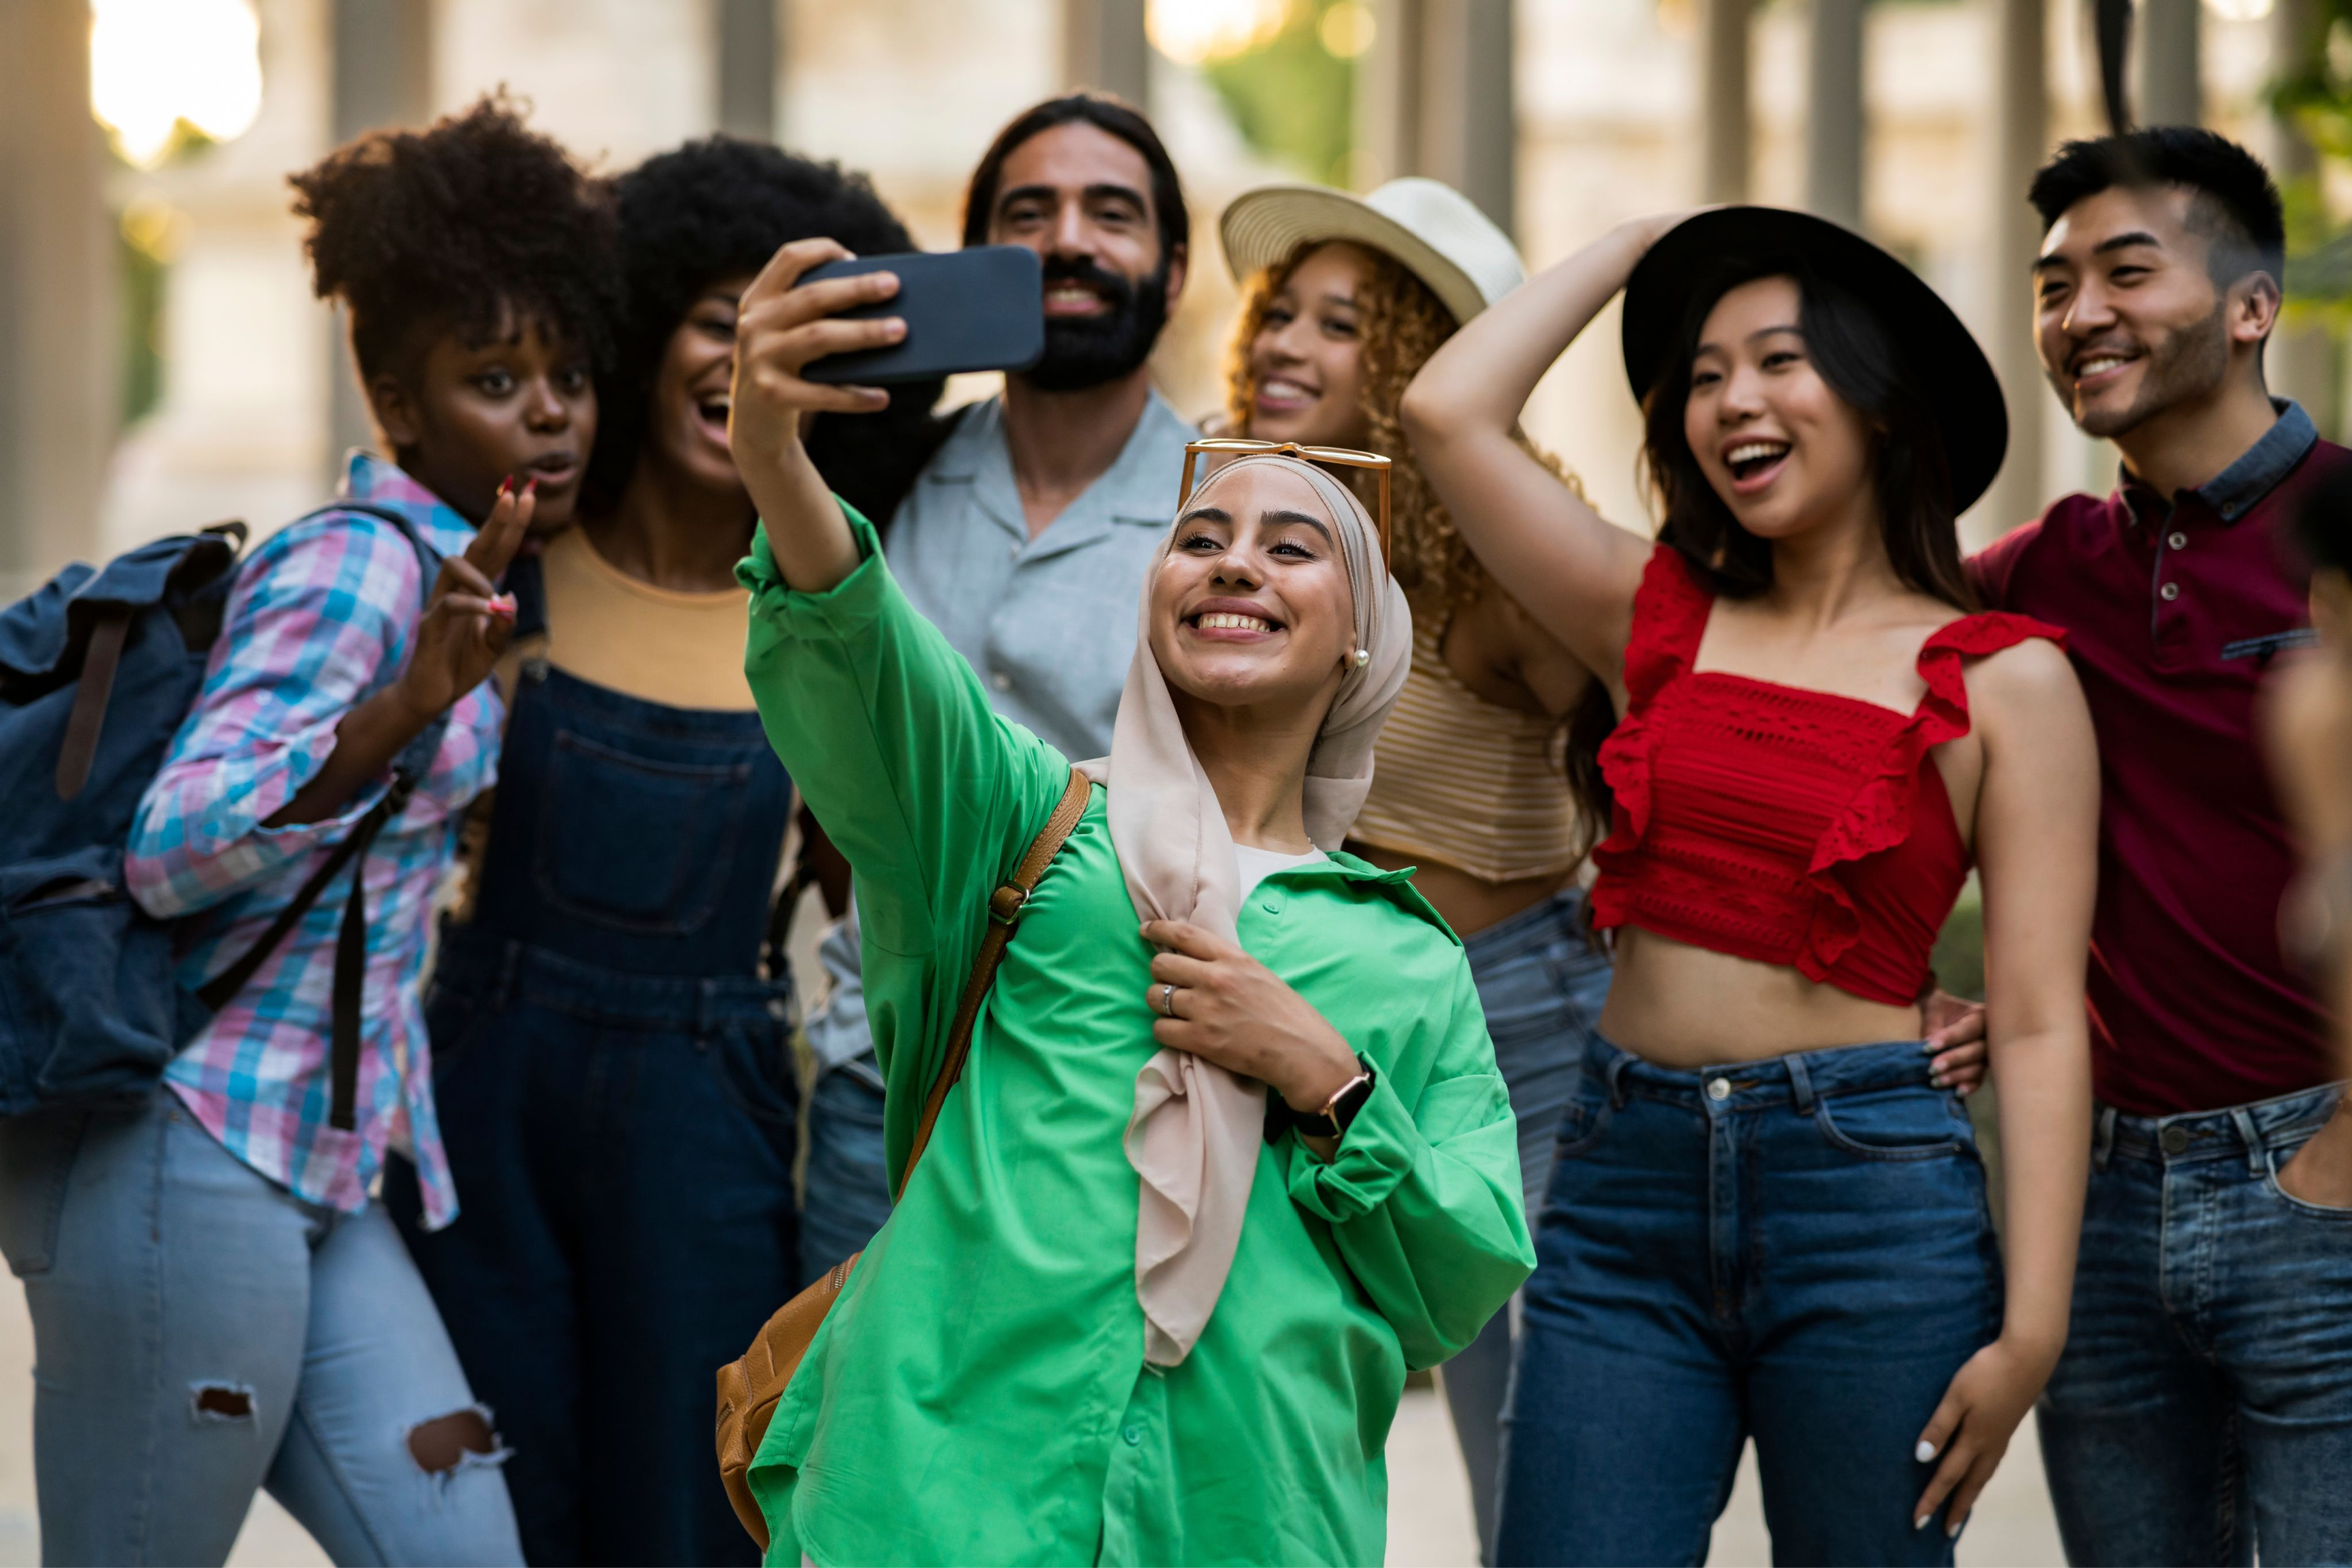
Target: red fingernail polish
[
  {"x": 505, "y": 487},
  {"x": 530, "y": 486}
]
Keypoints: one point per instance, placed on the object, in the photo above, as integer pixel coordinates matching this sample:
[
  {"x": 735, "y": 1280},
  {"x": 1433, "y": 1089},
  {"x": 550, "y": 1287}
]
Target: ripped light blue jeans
[{"x": 199, "y": 1332}]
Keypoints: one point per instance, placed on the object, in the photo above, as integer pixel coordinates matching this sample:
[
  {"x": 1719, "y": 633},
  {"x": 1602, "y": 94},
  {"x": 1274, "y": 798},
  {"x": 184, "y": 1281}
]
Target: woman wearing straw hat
[
  {"x": 1206, "y": 1190},
  {"x": 1764, "y": 1218}
]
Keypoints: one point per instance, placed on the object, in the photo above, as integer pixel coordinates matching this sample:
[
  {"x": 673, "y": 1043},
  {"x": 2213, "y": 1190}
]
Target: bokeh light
[
  {"x": 1194, "y": 31},
  {"x": 156, "y": 63}
]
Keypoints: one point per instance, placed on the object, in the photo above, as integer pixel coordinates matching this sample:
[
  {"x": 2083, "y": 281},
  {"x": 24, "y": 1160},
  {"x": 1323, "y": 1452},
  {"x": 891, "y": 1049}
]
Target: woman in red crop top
[{"x": 1765, "y": 1220}]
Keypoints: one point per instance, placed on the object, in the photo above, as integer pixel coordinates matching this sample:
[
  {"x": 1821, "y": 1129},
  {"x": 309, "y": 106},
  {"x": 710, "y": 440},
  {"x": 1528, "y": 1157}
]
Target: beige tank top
[{"x": 1462, "y": 780}]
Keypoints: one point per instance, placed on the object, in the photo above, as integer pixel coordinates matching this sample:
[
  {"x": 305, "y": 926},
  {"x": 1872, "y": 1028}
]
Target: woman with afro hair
[
  {"x": 616, "y": 1084},
  {"x": 219, "y": 1300}
]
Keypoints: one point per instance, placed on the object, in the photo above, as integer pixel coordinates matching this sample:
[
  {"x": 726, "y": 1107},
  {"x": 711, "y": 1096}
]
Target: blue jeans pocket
[
  {"x": 2275, "y": 1157},
  {"x": 1894, "y": 1124},
  {"x": 1585, "y": 1119}
]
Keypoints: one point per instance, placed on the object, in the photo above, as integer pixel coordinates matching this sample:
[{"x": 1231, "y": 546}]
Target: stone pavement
[{"x": 1429, "y": 1497}]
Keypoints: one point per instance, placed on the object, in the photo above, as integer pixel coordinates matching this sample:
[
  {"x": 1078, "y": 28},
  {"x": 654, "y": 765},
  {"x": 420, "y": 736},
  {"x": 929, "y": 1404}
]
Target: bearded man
[
  {"x": 1026, "y": 537},
  {"x": 2203, "y": 1408}
]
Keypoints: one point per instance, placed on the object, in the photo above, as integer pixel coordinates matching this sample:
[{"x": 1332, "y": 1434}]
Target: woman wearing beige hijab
[{"x": 1230, "y": 1155}]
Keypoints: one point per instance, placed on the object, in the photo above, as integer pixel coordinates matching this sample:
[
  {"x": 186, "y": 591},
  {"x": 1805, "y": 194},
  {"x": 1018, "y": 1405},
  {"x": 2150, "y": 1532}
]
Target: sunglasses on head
[{"x": 1241, "y": 446}]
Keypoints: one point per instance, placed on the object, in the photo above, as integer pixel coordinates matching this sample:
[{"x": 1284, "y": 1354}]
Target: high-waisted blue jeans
[
  {"x": 200, "y": 1332},
  {"x": 1541, "y": 985},
  {"x": 1796, "y": 1249},
  {"x": 2203, "y": 1409}
]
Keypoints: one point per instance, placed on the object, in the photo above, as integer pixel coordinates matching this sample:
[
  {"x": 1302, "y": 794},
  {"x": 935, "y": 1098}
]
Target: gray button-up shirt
[{"x": 1049, "y": 622}]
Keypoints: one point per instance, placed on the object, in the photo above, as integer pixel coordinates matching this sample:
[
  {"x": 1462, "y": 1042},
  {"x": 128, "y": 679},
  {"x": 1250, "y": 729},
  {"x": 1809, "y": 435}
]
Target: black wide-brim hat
[{"x": 1942, "y": 356}]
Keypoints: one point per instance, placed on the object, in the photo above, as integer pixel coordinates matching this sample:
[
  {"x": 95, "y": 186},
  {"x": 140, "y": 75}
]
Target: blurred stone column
[
  {"x": 2301, "y": 361},
  {"x": 382, "y": 77},
  {"x": 2169, "y": 92},
  {"x": 749, "y": 58},
  {"x": 2020, "y": 138},
  {"x": 1723, "y": 99},
  {"x": 1104, "y": 47},
  {"x": 58, "y": 317},
  {"x": 1834, "y": 113},
  {"x": 1435, "y": 96}
]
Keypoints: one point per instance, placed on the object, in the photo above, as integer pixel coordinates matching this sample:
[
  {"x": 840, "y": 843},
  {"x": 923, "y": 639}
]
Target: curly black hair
[
  {"x": 719, "y": 209},
  {"x": 462, "y": 227}
]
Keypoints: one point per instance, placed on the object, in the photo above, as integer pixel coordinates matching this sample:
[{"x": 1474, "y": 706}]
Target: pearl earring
[{"x": 1363, "y": 656}]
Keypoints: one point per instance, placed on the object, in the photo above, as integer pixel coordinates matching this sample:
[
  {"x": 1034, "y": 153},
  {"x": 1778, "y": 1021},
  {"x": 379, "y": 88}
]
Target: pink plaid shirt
[{"x": 320, "y": 614}]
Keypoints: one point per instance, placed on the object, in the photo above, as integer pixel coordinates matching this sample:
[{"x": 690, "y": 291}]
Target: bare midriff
[
  {"x": 1469, "y": 904},
  {"x": 1685, "y": 1007}
]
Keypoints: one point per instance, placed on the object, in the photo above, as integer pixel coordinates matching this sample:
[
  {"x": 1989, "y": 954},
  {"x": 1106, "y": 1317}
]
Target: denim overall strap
[{"x": 631, "y": 835}]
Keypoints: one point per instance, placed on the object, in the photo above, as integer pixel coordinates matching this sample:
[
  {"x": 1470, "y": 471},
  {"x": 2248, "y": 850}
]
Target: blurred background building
[{"x": 163, "y": 363}]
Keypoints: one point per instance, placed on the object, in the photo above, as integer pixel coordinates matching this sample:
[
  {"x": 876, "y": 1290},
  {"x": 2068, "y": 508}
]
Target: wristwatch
[{"x": 1340, "y": 1109}]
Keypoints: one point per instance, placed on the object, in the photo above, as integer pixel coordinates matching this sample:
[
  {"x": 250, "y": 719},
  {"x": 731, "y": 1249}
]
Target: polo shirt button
[
  {"x": 1132, "y": 1435},
  {"x": 2175, "y": 1140},
  {"x": 1003, "y": 682},
  {"x": 1718, "y": 1089},
  {"x": 2168, "y": 592},
  {"x": 2178, "y": 541}
]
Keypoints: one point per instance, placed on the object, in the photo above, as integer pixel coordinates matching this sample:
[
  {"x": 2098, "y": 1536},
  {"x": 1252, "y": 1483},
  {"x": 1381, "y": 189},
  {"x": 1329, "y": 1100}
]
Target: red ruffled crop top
[{"x": 1782, "y": 825}]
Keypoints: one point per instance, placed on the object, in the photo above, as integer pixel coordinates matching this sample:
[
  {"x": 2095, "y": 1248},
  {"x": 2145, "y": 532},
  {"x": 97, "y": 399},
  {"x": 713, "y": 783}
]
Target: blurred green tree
[{"x": 1293, "y": 96}]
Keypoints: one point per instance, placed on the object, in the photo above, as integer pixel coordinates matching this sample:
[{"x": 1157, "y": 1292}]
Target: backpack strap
[
  {"x": 1005, "y": 906},
  {"x": 409, "y": 769},
  {"x": 101, "y": 657}
]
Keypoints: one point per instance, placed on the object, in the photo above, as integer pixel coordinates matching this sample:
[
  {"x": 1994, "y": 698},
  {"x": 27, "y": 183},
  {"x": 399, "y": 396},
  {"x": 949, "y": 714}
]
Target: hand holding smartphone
[{"x": 982, "y": 308}]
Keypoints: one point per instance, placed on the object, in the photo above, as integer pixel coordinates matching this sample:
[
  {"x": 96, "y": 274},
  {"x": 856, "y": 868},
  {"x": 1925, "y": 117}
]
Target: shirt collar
[
  {"x": 2233, "y": 493},
  {"x": 1139, "y": 487},
  {"x": 370, "y": 478}
]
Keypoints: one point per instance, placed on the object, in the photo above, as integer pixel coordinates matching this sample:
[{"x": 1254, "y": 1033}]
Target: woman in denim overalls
[{"x": 612, "y": 1018}]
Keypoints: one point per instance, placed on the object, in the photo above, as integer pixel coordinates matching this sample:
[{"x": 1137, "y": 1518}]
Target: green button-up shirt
[{"x": 978, "y": 1394}]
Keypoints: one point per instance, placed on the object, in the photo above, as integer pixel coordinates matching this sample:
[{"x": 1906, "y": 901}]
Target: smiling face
[
  {"x": 685, "y": 420},
  {"x": 1307, "y": 360},
  {"x": 2128, "y": 317},
  {"x": 1081, "y": 199},
  {"x": 1251, "y": 606},
  {"x": 1773, "y": 438},
  {"x": 468, "y": 416}
]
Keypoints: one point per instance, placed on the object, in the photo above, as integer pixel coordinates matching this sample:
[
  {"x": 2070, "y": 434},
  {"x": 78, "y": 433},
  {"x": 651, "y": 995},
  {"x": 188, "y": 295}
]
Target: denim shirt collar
[{"x": 2235, "y": 490}]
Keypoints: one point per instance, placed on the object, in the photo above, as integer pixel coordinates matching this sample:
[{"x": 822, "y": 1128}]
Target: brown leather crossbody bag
[{"x": 749, "y": 1389}]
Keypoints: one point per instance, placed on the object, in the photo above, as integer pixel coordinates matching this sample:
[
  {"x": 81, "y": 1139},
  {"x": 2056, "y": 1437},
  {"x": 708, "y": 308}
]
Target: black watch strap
[{"x": 1343, "y": 1109}]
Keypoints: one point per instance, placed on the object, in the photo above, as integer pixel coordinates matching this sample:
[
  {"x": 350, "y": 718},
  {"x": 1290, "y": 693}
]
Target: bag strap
[{"x": 1005, "y": 906}]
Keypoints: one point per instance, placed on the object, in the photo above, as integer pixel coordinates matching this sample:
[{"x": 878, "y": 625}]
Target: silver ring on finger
[{"x": 1168, "y": 1000}]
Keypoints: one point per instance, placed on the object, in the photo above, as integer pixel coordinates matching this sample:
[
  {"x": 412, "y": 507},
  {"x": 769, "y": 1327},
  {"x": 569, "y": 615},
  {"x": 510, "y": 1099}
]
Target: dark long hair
[{"x": 1860, "y": 356}]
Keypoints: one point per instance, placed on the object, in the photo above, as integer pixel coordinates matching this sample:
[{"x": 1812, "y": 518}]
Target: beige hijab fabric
[{"x": 1196, "y": 1129}]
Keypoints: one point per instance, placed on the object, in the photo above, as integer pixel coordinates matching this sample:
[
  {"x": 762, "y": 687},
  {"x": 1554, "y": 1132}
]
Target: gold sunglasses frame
[{"x": 1241, "y": 446}]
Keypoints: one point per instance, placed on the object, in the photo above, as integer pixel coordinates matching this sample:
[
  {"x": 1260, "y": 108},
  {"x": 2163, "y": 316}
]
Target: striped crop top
[
  {"x": 1468, "y": 782},
  {"x": 1774, "y": 823}
]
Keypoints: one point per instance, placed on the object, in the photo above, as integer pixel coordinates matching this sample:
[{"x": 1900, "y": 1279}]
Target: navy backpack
[{"x": 97, "y": 668}]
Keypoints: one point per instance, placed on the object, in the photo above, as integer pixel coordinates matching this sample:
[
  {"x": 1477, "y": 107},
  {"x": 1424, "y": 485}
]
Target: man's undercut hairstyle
[
  {"x": 719, "y": 208},
  {"x": 2234, "y": 202},
  {"x": 474, "y": 227},
  {"x": 1104, "y": 113}
]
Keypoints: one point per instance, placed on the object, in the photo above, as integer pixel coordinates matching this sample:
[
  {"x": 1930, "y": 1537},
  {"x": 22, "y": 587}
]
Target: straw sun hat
[{"x": 1428, "y": 225}]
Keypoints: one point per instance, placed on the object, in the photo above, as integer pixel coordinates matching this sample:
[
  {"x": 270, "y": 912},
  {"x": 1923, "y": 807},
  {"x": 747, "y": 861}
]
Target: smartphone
[{"x": 978, "y": 309}]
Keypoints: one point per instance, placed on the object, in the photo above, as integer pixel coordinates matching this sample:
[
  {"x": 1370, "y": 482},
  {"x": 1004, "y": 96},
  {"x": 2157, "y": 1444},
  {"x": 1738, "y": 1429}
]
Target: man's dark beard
[
  {"x": 1088, "y": 351},
  {"x": 2182, "y": 365}
]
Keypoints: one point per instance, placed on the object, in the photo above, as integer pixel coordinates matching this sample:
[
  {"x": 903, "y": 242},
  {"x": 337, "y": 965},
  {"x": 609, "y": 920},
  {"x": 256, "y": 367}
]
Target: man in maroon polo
[{"x": 2204, "y": 1403}]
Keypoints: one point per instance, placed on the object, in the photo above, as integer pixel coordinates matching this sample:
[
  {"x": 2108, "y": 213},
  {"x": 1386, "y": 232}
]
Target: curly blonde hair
[{"x": 1402, "y": 322}]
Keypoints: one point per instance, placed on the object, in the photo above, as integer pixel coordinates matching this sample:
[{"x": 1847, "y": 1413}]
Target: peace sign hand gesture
[{"x": 467, "y": 621}]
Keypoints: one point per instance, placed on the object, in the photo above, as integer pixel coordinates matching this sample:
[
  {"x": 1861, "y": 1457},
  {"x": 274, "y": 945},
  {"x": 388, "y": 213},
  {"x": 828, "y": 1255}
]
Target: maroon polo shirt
[{"x": 2175, "y": 616}]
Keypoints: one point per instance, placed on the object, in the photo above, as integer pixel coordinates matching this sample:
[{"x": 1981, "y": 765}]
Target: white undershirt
[{"x": 1257, "y": 864}]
